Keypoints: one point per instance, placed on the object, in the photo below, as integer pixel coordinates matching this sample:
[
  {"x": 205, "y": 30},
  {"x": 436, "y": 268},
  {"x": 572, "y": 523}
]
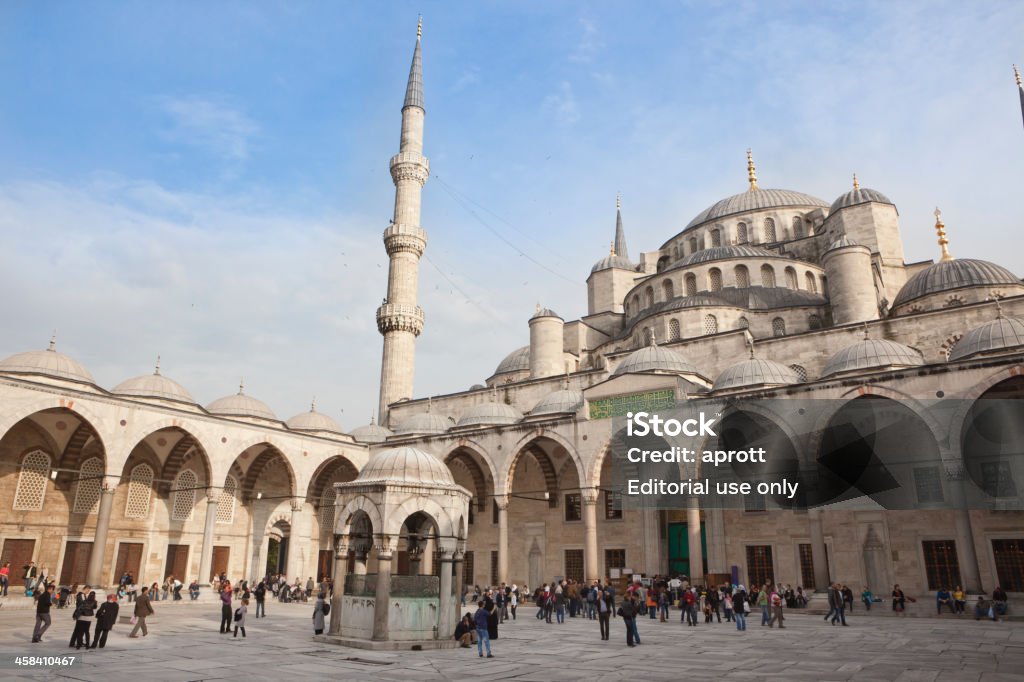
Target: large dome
[
  {"x": 559, "y": 402},
  {"x": 241, "y": 405},
  {"x": 860, "y": 195},
  {"x": 489, "y": 413},
  {"x": 756, "y": 372},
  {"x": 154, "y": 385},
  {"x": 406, "y": 465},
  {"x": 948, "y": 275},
  {"x": 313, "y": 421},
  {"x": 48, "y": 363},
  {"x": 371, "y": 433},
  {"x": 998, "y": 335},
  {"x": 723, "y": 253},
  {"x": 870, "y": 354},
  {"x": 755, "y": 200},
  {"x": 422, "y": 424},
  {"x": 517, "y": 360},
  {"x": 654, "y": 359}
]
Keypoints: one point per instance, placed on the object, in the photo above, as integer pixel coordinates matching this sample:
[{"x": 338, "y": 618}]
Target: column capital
[
  {"x": 297, "y": 505},
  {"x": 107, "y": 491},
  {"x": 340, "y": 547},
  {"x": 954, "y": 471},
  {"x": 502, "y": 501},
  {"x": 212, "y": 496},
  {"x": 590, "y": 495}
]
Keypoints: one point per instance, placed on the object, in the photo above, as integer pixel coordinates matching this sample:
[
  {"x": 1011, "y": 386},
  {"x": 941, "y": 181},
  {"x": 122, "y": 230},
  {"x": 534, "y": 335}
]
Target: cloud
[
  {"x": 589, "y": 42},
  {"x": 562, "y": 105},
  {"x": 469, "y": 77},
  {"x": 209, "y": 124}
]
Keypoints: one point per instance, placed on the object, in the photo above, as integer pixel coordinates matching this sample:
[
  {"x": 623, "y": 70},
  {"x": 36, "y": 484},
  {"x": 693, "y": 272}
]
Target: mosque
[{"x": 764, "y": 296}]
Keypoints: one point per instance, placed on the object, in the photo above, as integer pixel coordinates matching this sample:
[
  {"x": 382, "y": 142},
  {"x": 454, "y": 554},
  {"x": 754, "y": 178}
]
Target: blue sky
[{"x": 208, "y": 181}]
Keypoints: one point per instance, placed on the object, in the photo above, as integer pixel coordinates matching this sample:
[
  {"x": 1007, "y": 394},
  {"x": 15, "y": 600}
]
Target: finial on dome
[
  {"x": 867, "y": 332},
  {"x": 856, "y": 185},
  {"x": 749, "y": 339},
  {"x": 999, "y": 308},
  {"x": 1016, "y": 75},
  {"x": 312, "y": 405},
  {"x": 241, "y": 386},
  {"x": 373, "y": 416},
  {"x": 538, "y": 307},
  {"x": 751, "y": 171},
  {"x": 53, "y": 342},
  {"x": 419, "y": 28},
  {"x": 611, "y": 251},
  {"x": 654, "y": 338},
  {"x": 940, "y": 229},
  {"x": 156, "y": 370},
  {"x": 430, "y": 403}
]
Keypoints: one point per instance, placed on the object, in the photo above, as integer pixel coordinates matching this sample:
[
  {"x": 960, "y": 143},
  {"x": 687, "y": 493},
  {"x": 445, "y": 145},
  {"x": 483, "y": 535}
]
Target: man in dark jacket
[
  {"x": 105, "y": 619},
  {"x": 142, "y": 611},
  {"x": 43, "y": 602},
  {"x": 261, "y": 598},
  {"x": 225, "y": 608},
  {"x": 465, "y": 632},
  {"x": 628, "y": 612}
]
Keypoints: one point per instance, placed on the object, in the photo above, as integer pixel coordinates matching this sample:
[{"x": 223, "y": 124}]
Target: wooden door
[
  {"x": 129, "y": 558},
  {"x": 220, "y": 562},
  {"x": 177, "y": 562},
  {"x": 19, "y": 553},
  {"x": 76, "y": 563},
  {"x": 324, "y": 565}
]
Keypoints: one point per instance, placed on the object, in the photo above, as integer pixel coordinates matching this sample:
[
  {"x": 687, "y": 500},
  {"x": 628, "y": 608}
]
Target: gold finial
[
  {"x": 156, "y": 370},
  {"x": 867, "y": 333},
  {"x": 419, "y": 28},
  {"x": 1016, "y": 75},
  {"x": 654, "y": 338},
  {"x": 618, "y": 201},
  {"x": 856, "y": 185},
  {"x": 241, "y": 386},
  {"x": 612, "y": 252},
  {"x": 751, "y": 171},
  {"x": 53, "y": 342},
  {"x": 940, "y": 229},
  {"x": 999, "y": 308},
  {"x": 312, "y": 405}
]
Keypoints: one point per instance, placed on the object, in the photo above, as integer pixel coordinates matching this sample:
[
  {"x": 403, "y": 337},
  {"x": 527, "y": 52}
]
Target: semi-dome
[
  {"x": 154, "y": 385},
  {"x": 517, "y": 360},
  {"x": 948, "y": 275},
  {"x": 48, "y": 363},
  {"x": 424, "y": 423},
  {"x": 756, "y": 372},
  {"x": 371, "y": 433},
  {"x": 654, "y": 358},
  {"x": 612, "y": 261},
  {"x": 559, "y": 402},
  {"x": 489, "y": 413},
  {"x": 545, "y": 312},
  {"x": 241, "y": 405},
  {"x": 870, "y": 354},
  {"x": 1003, "y": 334},
  {"x": 858, "y": 195},
  {"x": 723, "y": 253},
  {"x": 313, "y": 421},
  {"x": 406, "y": 465},
  {"x": 756, "y": 200}
]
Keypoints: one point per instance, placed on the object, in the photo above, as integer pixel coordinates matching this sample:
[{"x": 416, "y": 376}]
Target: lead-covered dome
[
  {"x": 1005, "y": 333},
  {"x": 489, "y": 414},
  {"x": 313, "y": 421},
  {"x": 371, "y": 433},
  {"x": 756, "y": 372},
  {"x": 241, "y": 405},
  {"x": 755, "y": 200},
  {"x": 406, "y": 465},
  {"x": 869, "y": 354},
  {"x": 154, "y": 385},
  {"x": 948, "y": 275},
  {"x": 654, "y": 358},
  {"x": 47, "y": 363},
  {"x": 858, "y": 195},
  {"x": 559, "y": 402},
  {"x": 517, "y": 360},
  {"x": 723, "y": 253},
  {"x": 545, "y": 312},
  {"x": 612, "y": 261},
  {"x": 422, "y": 424}
]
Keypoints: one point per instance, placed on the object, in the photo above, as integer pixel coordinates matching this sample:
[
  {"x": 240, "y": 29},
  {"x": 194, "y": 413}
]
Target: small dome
[
  {"x": 841, "y": 243},
  {"x": 756, "y": 200},
  {"x": 612, "y": 261},
  {"x": 313, "y": 421},
  {"x": 947, "y": 275},
  {"x": 756, "y": 372},
  {"x": 517, "y": 360},
  {"x": 654, "y": 359},
  {"x": 860, "y": 195},
  {"x": 408, "y": 465},
  {"x": 422, "y": 424},
  {"x": 48, "y": 363},
  {"x": 241, "y": 405},
  {"x": 371, "y": 433},
  {"x": 998, "y": 335},
  {"x": 545, "y": 312},
  {"x": 154, "y": 385},
  {"x": 488, "y": 414},
  {"x": 872, "y": 354},
  {"x": 723, "y": 253},
  {"x": 559, "y": 402}
]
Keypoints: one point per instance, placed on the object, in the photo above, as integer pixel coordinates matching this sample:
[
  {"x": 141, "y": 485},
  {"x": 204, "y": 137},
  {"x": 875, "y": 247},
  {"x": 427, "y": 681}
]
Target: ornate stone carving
[
  {"x": 400, "y": 317},
  {"x": 399, "y": 238},
  {"x": 410, "y": 166},
  {"x": 954, "y": 471}
]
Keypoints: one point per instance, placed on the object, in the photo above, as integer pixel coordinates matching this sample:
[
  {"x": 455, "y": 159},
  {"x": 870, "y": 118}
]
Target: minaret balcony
[
  {"x": 400, "y": 317},
  {"x": 410, "y": 166},
  {"x": 405, "y": 237}
]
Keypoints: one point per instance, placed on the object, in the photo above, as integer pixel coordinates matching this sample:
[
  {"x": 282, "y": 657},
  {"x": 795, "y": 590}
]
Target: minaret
[
  {"x": 1020, "y": 88},
  {"x": 399, "y": 319},
  {"x": 620, "y": 234}
]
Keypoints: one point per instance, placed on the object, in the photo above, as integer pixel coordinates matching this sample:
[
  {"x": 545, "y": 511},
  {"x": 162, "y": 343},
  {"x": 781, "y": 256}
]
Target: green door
[{"x": 679, "y": 550}]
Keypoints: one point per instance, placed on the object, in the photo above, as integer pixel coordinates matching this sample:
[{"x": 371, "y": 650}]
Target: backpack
[
  {"x": 591, "y": 595},
  {"x": 327, "y": 609},
  {"x": 238, "y": 614}
]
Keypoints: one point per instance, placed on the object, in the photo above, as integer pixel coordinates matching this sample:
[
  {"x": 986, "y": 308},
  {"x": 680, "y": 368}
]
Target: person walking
[
  {"x": 225, "y": 608},
  {"x": 143, "y": 609},
  {"x": 775, "y": 601},
  {"x": 740, "y": 607},
  {"x": 513, "y": 601},
  {"x": 628, "y": 612},
  {"x": 604, "y": 606},
  {"x": 762, "y": 601},
  {"x": 837, "y": 602},
  {"x": 105, "y": 619},
  {"x": 31, "y": 573},
  {"x": 43, "y": 603},
  {"x": 85, "y": 614},
  {"x": 560, "y": 604},
  {"x": 318, "y": 614},
  {"x": 482, "y": 619},
  {"x": 240, "y": 618},
  {"x": 5, "y": 578},
  {"x": 261, "y": 599}
]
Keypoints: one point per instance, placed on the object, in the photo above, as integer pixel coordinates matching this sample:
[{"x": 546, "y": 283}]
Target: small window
[
  {"x": 928, "y": 484},
  {"x": 649, "y": 297},
  {"x": 614, "y": 558},
  {"x": 90, "y": 482},
  {"x": 494, "y": 512},
  {"x": 140, "y": 488},
  {"x": 760, "y": 568},
  {"x": 778, "y": 327},
  {"x": 769, "y": 231},
  {"x": 327, "y": 509},
  {"x": 767, "y": 276},
  {"x": 741, "y": 233},
  {"x": 226, "y": 501},
  {"x": 743, "y": 323},
  {"x": 666, "y": 290},
  {"x": 184, "y": 496},
  {"x": 807, "y": 566},
  {"x": 716, "y": 237},
  {"x": 742, "y": 276},
  {"x": 811, "y": 284},
  {"x": 801, "y": 372},
  {"x": 755, "y": 502},
  {"x": 648, "y": 336},
  {"x": 715, "y": 279},
  {"x": 798, "y": 227},
  {"x": 941, "y": 565},
  {"x": 997, "y": 479},
  {"x": 813, "y": 322},
  {"x": 612, "y": 505},
  {"x": 953, "y": 302},
  {"x": 574, "y": 565},
  {"x": 691, "y": 284},
  {"x": 573, "y": 507},
  {"x": 710, "y": 325},
  {"x": 1009, "y": 558},
  {"x": 791, "y": 280},
  {"x": 693, "y": 245},
  {"x": 674, "y": 332}
]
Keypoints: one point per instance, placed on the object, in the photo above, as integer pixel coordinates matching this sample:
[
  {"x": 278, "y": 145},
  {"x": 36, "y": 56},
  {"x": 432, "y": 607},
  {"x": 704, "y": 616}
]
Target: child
[{"x": 240, "y": 617}]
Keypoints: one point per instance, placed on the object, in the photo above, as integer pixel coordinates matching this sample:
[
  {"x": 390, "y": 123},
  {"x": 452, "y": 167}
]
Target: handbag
[{"x": 134, "y": 620}]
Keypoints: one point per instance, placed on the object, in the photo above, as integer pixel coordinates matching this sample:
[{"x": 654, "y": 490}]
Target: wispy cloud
[
  {"x": 562, "y": 104},
  {"x": 209, "y": 124},
  {"x": 469, "y": 77},
  {"x": 589, "y": 43}
]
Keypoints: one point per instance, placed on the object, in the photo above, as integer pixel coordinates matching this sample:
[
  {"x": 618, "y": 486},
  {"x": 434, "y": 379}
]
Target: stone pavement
[{"x": 184, "y": 645}]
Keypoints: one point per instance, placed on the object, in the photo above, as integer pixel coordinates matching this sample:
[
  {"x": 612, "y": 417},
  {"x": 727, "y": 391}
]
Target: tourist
[
  {"x": 105, "y": 619},
  {"x": 154, "y": 592},
  {"x": 261, "y": 599},
  {"x": 482, "y": 620},
  {"x": 43, "y": 603},
  {"x": 899, "y": 600},
  {"x": 943, "y": 598},
  {"x": 539, "y": 600},
  {"x": 513, "y": 601},
  {"x": 715, "y": 602},
  {"x": 652, "y": 602},
  {"x": 605, "y": 605},
  {"x": 240, "y": 618},
  {"x": 143, "y": 609},
  {"x": 492, "y": 617},
  {"x": 999, "y": 601},
  {"x": 663, "y": 604},
  {"x": 193, "y": 590},
  {"x": 30, "y": 577},
  {"x": 225, "y": 608},
  {"x": 85, "y": 613},
  {"x": 727, "y": 606},
  {"x": 740, "y": 607},
  {"x": 5, "y": 578},
  {"x": 499, "y": 603},
  {"x": 801, "y": 599},
  {"x": 867, "y": 597},
  {"x": 309, "y": 587},
  {"x": 847, "y": 598},
  {"x": 465, "y": 632},
  {"x": 762, "y": 601},
  {"x": 689, "y": 607},
  {"x": 959, "y": 600},
  {"x": 983, "y": 609},
  {"x": 836, "y": 604},
  {"x": 560, "y": 604},
  {"x": 166, "y": 588},
  {"x": 775, "y": 601},
  {"x": 320, "y": 610},
  {"x": 628, "y": 612}
]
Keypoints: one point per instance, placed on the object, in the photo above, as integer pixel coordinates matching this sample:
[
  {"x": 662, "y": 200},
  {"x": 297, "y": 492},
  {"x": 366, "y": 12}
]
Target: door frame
[{"x": 142, "y": 559}]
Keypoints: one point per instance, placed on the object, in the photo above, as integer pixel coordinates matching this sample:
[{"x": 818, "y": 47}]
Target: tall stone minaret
[{"x": 399, "y": 319}]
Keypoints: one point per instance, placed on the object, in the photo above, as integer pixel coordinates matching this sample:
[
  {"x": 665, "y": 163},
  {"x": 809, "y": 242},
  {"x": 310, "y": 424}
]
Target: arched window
[
  {"x": 824, "y": 286},
  {"x": 778, "y": 327},
  {"x": 35, "y": 470},
  {"x": 184, "y": 495},
  {"x": 768, "y": 233},
  {"x": 743, "y": 323},
  {"x": 710, "y": 324},
  {"x": 226, "y": 501},
  {"x": 767, "y": 276},
  {"x": 800, "y": 372},
  {"x": 327, "y": 508},
  {"x": 90, "y": 482},
  {"x": 715, "y": 279},
  {"x": 953, "y": 302},
  {"x": 636, "y": 303},
  {"x": 666, "y": 290},
  {"x": 791, "y": 280},
  {"x": 812, "y": 285},
  {"x": 649, "y": 297},
  {"x": 675, "y": 252},
  {"x": 140, "y": 487},
  {"x": 742, "y": 276},
  {"x": 691, "y": 284},
  {"x": 798, "y": 227},
  {"x": 693, "y": 245},
  {"x": 814, "y": 322},
  {"x": 674, "y": 331},
  {"x": 648, "y": 336},
  {"x": 741, "y": 234},
  {"x": 716, "y": 237}
]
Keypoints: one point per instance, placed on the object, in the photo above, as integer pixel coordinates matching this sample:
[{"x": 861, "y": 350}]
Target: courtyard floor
[{"x": 184, "y": 645}]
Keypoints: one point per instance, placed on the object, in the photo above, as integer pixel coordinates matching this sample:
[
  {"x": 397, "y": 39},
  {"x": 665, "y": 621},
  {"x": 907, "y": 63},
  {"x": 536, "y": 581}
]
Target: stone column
[
  {"x": 298, "y": 542},
  {"x": 591, "y": 567},
  {"x": 94, "y": 576},
  {"x": 819, "y": 556},
  {"x": 714, "y": 527},
  {"x": 502, "y": 502},
  {"x": 359, "y": 570},
  {"x": 444, "y": 611},
  {"x": 340, "y": 570},
  {"x": 206, "y": 553},
  {"x": 457, "y": 558},
  {"x": 415, "y": 549},
  {"x": 696, "y": 549},
  {"x": 965, "y": 550},
  {"x": 382, "y": 601}
]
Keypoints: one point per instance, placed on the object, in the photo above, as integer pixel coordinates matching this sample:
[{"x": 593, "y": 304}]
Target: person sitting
[
  {"x": 983, "y": 609},
  {"x": 465, "y": 632},
  {"x": 999, "y": 601},
  {"x": 943, "y": 598},
  {"x": 959, "y": 600}
]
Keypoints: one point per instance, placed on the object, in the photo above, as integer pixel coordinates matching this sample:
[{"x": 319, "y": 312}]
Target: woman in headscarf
[
  {"x": 85, "y": 614},
  {"x": 492, "y": 615},
  {"x": 318, "y": 615}
]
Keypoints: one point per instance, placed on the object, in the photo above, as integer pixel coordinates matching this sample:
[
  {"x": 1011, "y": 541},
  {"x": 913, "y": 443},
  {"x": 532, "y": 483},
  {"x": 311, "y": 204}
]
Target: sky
[{"x": 208, "y": 181}]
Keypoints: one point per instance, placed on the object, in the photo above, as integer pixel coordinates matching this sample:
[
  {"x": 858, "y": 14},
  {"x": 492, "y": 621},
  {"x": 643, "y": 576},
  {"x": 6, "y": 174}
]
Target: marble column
[
  {"x": 94, "y": 575},
  {"x": 965, "y": 551},
  {"x": 591, "y": 567},
  {"x": 359, "y": 569},
  {"x": 457, "y": 559},
  {"x": 340, "y": 571},
  {"x": 445, "y": 628},
  {"x": 696, "y": 549},
  {"x": 819, "y": 557},
  {"x": 382, "y": 601},
  {"x": 206, "y": 553},
  {"x": 502, "y": 502},
  {"x": 299, "y": 542}
]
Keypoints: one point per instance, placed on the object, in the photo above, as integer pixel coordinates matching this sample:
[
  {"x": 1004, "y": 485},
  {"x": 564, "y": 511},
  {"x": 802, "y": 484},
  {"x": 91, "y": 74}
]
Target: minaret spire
[
  {"x": 619, "y": 248},
  {"x": 1020, "y": 89},
  {"x": 751, "y": 171},
  {"x": 399, "y": 318},
  {"x": 940, "y": 229}
]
